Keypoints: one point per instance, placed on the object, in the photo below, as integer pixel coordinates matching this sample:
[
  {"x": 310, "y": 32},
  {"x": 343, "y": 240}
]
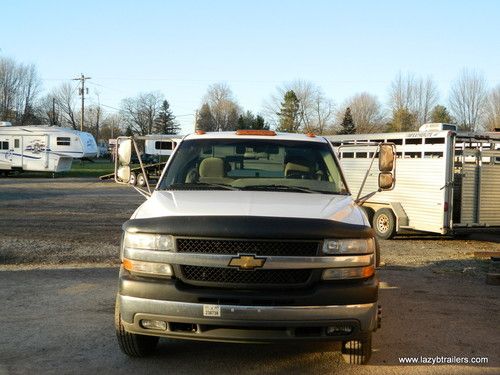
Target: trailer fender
[{"x": 400, "y": 214}]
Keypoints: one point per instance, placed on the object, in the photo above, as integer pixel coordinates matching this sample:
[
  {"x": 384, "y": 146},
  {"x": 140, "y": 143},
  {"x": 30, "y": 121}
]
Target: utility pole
[
  {"x": 82, "y": 93},
  {"x": 53, "y": 111}
]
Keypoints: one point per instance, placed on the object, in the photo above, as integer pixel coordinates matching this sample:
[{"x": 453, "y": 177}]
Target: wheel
[
  {"x": 141, "y": 180},
  {"x": 384, "y": 223},
  {"x": 369, "y": 213},
  {"x": 357, "y": 352},
  {"x": 132, "y": 344},
  {"x": 133, "y": 179}
]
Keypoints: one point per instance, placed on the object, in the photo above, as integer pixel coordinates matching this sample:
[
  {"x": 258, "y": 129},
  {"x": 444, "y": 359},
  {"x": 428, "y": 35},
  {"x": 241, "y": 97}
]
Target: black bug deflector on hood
[{"x": 264, "y": 227}]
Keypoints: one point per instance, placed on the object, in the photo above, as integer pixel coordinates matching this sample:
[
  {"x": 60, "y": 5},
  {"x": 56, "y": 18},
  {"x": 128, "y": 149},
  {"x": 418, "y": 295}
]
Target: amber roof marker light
[
  {"x": 256, "y": 132},
  {"x": 200, "y": 132},
  {"x": 311, "y": 135}
]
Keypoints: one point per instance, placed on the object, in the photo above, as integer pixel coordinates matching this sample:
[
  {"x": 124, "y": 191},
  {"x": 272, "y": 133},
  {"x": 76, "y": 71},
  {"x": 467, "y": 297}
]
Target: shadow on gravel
[
  {"x": 473, "y": 268},
  {"x": 490, "y": 235}
]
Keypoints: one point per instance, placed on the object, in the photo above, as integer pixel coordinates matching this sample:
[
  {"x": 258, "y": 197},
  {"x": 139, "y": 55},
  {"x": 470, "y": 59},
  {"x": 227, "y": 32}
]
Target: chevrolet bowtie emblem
[{"x": 247, "y": 262}]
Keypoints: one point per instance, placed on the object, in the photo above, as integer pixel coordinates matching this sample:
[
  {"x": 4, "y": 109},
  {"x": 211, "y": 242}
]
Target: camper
[
  {"x": 447, "y": 181},
  {"x": 160, "y": 145},
  {"x": 42, "y": 148}
]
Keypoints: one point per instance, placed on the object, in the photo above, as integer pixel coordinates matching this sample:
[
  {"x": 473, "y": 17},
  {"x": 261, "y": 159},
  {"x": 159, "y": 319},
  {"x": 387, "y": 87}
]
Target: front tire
[
  {"x": 132, "y": 344},
  {"x": 357, "y": 352},
  {"x": 384, "y": 223}
]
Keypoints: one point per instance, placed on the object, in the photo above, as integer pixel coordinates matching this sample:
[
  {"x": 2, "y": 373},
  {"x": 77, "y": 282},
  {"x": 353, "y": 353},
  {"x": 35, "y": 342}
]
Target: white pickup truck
[{"x": 249, "y": 236}]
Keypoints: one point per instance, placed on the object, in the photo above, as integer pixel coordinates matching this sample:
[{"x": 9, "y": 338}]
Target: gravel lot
[{"x": 58, "y": 255}]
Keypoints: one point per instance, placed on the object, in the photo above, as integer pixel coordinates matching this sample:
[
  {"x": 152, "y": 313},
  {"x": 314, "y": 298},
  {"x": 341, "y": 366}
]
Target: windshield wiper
[
  {"x": 275, "y": 187},
  {"x": 199, "y": 186}
]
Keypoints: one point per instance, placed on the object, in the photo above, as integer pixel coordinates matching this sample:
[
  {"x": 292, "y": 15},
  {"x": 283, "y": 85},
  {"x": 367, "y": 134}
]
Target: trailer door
[
  {"x": 17, "y": 152},
  {"x": 5, "y": 154},
  {"x": 480, "y": 205},
  {"x": 489, "y": 188}
]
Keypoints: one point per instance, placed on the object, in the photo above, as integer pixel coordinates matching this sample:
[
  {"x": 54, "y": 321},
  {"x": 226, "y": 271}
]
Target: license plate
[{"x": 211, "y": 310}]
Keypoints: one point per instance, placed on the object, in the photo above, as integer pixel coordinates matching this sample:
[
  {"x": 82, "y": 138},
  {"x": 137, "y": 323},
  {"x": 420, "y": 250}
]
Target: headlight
[
  {"x": 148, "y": 241},
  {"x": 349, "y": 246}
]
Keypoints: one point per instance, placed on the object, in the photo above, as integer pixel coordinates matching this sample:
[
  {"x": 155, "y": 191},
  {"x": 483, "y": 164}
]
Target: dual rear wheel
[{"x": 138, "y": 179}]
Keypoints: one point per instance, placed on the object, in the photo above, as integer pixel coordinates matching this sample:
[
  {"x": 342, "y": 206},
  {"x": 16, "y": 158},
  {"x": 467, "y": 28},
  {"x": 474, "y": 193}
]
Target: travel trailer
[
  {"x": 42, "y": 148},
  {"x": 447, "y": 181},
  {"x": 160, "y": 145}
]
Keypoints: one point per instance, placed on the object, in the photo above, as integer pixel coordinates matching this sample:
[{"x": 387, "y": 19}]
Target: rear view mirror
[
  {"x": 387, "y": 166},
  {"x": 387, "y": 157},
  {"x": 124, "y": 151},
  {"x": 123, "y": 159},
  {"x": 123, "y": 173},
  {"x": 386, "y": 181}
]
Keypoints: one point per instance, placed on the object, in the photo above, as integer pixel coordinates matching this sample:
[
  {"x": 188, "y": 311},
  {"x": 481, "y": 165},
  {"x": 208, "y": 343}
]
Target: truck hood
[{"x": 251, "y": 203}]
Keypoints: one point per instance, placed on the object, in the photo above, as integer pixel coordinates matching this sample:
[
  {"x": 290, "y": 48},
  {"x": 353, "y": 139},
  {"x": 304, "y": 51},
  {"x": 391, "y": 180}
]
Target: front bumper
[{"x": 237, "y": 323}]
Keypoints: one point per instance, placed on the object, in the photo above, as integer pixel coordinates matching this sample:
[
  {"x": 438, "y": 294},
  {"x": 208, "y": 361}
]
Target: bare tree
[
  {"x": 9, "y": 83},
  {"x": 493, "y": 110},
  {"x": 366, "y": 112},
  {"x": 426, "y": 97},
  {"x": 413, "y": 95},
  {"x": 468, "y": 99},
  {"x": 315, "y": 113},
  {"x": 66, "y": 102},
  {"x": 223, "y": 106},
  {"x": 19, "y": 87},
  {"x": 139, "y": 113},
  {"x": 47, "y": 110},
  {"x": 111, "y": 126}
]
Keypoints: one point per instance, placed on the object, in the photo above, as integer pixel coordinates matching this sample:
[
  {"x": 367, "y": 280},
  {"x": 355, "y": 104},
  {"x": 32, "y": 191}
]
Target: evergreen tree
[
  {"x": 440, "y": 114},
  {"x": 347, "y": 125},
  {"x": 289, "y": 114},
  {"x": 249, "y": 121},
  {"x": 164, "y": 122},
  {"x": 260, "y": 124},
  {"x": 402, "y": 120},
  {"x": 205, "y": 120}
]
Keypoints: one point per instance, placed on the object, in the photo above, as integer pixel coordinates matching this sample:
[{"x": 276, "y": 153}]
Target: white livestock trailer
[
  {"x": 42, "y": 148},
  {"x": 447, "y": 181}
]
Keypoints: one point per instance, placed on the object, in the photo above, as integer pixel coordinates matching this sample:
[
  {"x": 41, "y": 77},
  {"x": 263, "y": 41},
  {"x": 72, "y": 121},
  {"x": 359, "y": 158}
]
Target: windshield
[{"x": 254, "y": 164}]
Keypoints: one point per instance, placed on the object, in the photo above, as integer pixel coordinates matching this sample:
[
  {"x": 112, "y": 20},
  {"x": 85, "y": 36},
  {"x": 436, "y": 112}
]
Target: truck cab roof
[{"x": 256, "y": 135}]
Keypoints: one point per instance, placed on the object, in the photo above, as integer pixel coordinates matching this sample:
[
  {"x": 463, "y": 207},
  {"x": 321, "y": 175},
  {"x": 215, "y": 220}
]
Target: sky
[{"x": 181, "y": 47}]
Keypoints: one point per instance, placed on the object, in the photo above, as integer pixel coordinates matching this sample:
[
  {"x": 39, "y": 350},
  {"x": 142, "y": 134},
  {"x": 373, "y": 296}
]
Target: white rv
[
  {"x": 447, "y": 181},
  {"x": 42, "y": 148}
]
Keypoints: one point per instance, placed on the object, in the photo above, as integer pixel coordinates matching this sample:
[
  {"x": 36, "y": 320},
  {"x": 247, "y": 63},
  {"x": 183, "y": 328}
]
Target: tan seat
[
  {"x": 211, "y": 170},
  {"x": 294, "y": 170}
]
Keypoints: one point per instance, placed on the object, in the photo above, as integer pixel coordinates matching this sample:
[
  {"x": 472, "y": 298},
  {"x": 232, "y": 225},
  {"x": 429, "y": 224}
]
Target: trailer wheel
[
  {"x": 384, "y": 223},
  {"x": 133, "y": 179},
  {"x": 132, "y": 344},
  {"x": 141, "y": 180},
  {"x": 369, "y": 213},
  {"x": 357, "y": 352}
]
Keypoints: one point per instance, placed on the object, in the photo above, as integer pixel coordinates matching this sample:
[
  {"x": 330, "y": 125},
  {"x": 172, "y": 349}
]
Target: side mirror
[
  {"x": 387, "y": 166},
  {"x": 123, "y": 159},
  {"x": 123, "y": 173},
  {"x": 387, "y": 157},
  {"x": 386, "y": 181},
  {"x": 124, "y": 151}
]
